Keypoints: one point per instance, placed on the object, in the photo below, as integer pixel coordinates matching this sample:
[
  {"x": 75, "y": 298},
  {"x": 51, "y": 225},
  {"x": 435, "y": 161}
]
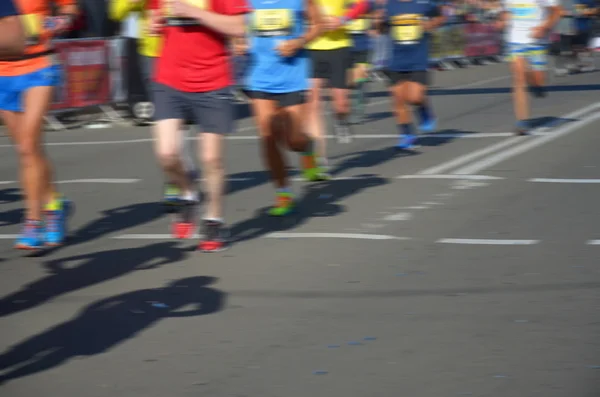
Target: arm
[
  {"x": 436, "y": 20},
  {"x": 119, "y": 9},
  {"x": 554, "y": 14},
  {"x": 229, "y": 23},
  {"x": 291, "y": 47},
  {"x": 12, "y": 39}
]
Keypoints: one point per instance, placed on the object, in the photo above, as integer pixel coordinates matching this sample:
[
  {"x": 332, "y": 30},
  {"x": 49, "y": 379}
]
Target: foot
[
  {"x": 185, "y": 221},
  {"x": 171, "y": 198},
  {"x": 315, "y": 171},
  {"x": 284, "y": 204},
  {"x": 406, "y": 142},
  {"x": 57, "y": 214},
  {"x": 32, "y": 236},
  {"x": 214, "y": 237},
  {"x": 522, "y": 127},
  {"x": 428, "y": 120}
]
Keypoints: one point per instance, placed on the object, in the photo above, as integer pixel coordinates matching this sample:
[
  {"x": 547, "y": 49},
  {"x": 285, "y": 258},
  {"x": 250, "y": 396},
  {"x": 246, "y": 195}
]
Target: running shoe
[
  {"x": 406, "y": 142},
  {"x": 171, "y": 198},
  {"x": 32, "y": 236},
  {"x": 342, "y": 132},
  {"x": 185, "y": 220},
  {"x": 538, "y": 91},
  {"x": 214, "y": 237},
  {"x": 57, "y": 213},
  {"x": 313, "y": 170},
  {"x": 284, "y": 204},
  {"x": 428, "y": 120},
  {"x": 522, "y": 127}
]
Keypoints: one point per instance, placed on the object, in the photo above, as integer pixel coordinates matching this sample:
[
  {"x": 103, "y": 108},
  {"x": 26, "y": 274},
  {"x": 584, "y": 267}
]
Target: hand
[
  {"x": 59, "y": 24},
  {"x": 182, "y": 8},
  {"x": 289, "y": 48},
  {"x": 539, "y": 32},
  {"x": 240, "y": 47},
  {"x": 155, "y": 23},
  {"x": 331, "y": 22}
]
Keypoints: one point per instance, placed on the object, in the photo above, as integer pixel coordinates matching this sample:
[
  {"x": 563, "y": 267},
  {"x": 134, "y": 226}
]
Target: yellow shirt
[
  {"x": 150, "y": 46},
  {"x": 335, "y": 39}
]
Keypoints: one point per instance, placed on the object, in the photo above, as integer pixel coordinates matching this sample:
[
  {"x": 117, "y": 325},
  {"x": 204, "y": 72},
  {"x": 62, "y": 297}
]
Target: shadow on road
[
  {"x": 109, "y": 322},
  {"x": 318, "y": 200},
  {"x": 81, "y": 271}
]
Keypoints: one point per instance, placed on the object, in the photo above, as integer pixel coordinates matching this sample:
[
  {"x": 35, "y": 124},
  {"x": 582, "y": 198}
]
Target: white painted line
[
  {"x": 400, "y": 216},
  {"x": 476, "y": 241},
  {"x": 450, "y": 176},
  {"x": 529, "y": 145},
  {"x": 101, "y": 180},
  {"x": 593, "y": 242},
  {"x": 553, "y": 180},
  {"x": 358, "y": 236},
  {"x": 147, "y": 237},
  {"x": 7, "y": 182},
  {"x": 8, "y": 236},
  {"x": 441, "y": 168}
]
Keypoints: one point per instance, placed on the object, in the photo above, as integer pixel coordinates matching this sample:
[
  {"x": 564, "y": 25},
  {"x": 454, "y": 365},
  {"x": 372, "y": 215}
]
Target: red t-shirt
[{"x": 196, "y": 58}]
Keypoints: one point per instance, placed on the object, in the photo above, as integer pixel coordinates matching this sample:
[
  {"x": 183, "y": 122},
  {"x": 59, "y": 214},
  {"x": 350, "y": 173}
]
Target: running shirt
[
  {"x": 409, "y": 42},
  {"x": 195, "y": 58},
  {"x": 34, "y": 15},
  {"x": 7, "y": 8},
  {"x": 337, "y": 38},
  {"x": 583, "y": 24},
  {"x": 269, "y": 24},
  {"x": 524, "y": 16},
  {"x": 358, "y": 30}
]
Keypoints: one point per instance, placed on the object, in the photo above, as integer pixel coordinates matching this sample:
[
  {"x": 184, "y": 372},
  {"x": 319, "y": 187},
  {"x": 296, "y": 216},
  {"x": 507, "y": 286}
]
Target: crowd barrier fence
[{"x": 93, "y": 69}]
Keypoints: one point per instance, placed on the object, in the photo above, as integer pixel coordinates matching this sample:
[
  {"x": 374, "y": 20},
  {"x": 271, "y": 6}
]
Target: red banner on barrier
[
  {"x": 483, "y": 40},
  {"x": 85, "y": 80}
]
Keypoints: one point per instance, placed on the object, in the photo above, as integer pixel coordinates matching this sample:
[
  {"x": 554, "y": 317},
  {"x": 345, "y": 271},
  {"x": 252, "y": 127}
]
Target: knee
[
  {"x": 212, "y": 162},
  {"x": 29, "y": 150},
  {"x": 168, "y": 159}
]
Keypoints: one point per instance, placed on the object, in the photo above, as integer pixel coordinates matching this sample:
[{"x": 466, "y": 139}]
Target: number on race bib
[
  {"x": 273, "y": 22},
  {"x": 407, "y": 28}
]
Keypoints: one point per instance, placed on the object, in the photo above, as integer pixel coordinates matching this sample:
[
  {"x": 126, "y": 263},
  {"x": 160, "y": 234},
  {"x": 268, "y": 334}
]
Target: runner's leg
[
  {"x": 402, "y": 112},
  {"x": 520, "y": 99}
]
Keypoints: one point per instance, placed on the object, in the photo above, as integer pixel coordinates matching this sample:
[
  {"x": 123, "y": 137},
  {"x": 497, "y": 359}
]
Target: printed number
[
  {"x": 357, "y": 25},
  {"x": 272, "y": 19},
  {"x": 408, "y": 33}
]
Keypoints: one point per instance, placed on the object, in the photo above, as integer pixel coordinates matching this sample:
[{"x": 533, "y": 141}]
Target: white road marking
[
  {"x": 8, "y": 236},
  {"x": 441, "y": 168},
  {"x": 553, "y": 180},
  {"x": 400, "y": 216},
  {"x": 358, "y": 236},
  {"x": 593, "y": 242},
  {"x": 476, "y": 241},
  {"x": 101, "y": 180},
  {"x": 532, "y": 144},
  {"x": 450, "y": 176},
  {"x": 147, "y": 237}
]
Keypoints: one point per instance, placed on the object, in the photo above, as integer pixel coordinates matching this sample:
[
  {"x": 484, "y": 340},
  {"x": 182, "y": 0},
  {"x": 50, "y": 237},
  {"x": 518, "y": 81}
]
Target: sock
[
  {"x": 284, "y": 190},
  {"x": 309, "y": 150},
  {"x": 55, "y": 204},
  {"x": 425, "y": 111},
  {"x": 405, "y": 129},
  {"x": 190, "y": 196}
]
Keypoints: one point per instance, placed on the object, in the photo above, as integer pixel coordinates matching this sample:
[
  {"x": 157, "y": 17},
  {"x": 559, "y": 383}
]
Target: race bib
[
  {"x": 524, "y": 11},
  {"x": 33, "y": 26},
  {"x": 273, "y": 22},
  {"x": 178, "y": 21},
  {"x": 407, "y": 29},
  {"x": 357, "y": 26}
]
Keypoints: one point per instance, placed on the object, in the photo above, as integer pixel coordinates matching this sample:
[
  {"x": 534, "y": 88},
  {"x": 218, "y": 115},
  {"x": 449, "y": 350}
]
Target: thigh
[
  {"x": 340, "y": 63},
  {"x": 537, "y": 58},
  {"x": 168, "y": 103},
  {"x": 213, "y": 110},
  {"x": 292, "y": 99},
  {"x": 319, "y": 64},
  {"x": 264, "y": 106}
]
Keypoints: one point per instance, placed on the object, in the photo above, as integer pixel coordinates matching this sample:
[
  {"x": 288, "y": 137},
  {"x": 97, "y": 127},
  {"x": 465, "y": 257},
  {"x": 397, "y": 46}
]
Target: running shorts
[
  {"x": 284, "y": 100},
  {"x": 417, "y": 76},
  {"x": 581, "y": 39},
  {"x": 12, "y": 88},
  {"x": 212, "y": 111},
  {"x": 331, "y": 65},
  {"x": 535, "y": 54},
  {"x": 359, "y": 57}
]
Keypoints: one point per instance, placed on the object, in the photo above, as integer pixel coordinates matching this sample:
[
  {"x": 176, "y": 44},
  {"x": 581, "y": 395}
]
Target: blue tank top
[
  {"x": 270, "y": 22},
  {"x": 410, "y": 44}
]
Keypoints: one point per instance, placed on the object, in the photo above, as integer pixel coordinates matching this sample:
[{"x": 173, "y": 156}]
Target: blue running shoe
[
  {"x": 57, "y": 214},
  {"x": 32, "y": 236},
  {"x": 428, "y": 120},
  {"x": 523, "y": 127},
  {"x": 406, "y": 141}
]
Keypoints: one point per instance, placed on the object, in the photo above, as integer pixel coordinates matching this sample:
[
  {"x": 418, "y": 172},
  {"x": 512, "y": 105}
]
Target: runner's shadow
[
  {"x": 318, "y": 200},
  {"x": 109, "y": 322},
  {"x": 111, "y": 221},
  {"x": 11, "y": 195},
  {"x": 11, "y": 217},
  {"x": 81, "y": 271},
  {"x": 371, "y": 158}
]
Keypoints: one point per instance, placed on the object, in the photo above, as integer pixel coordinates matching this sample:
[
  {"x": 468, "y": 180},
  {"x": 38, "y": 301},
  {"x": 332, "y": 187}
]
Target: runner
[
  {"x": 529, "y": 24},
  {"x": 585, "y": 11},
  {"x": 409, "y": 24},
  {"x": 277, "y": 82},
  {"x": 193, "y": 76},
  {"x": 12, "y": 40},
  {"x": 361, "y": 32},
  {"x": 565, "y": 57},
  {"x": 149, "y": 49},
  {"x": 331, "y": 61},
  {"x": 26, "y": 87}
]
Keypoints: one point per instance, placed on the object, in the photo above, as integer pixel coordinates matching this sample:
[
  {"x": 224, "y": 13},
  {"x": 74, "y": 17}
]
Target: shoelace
[{"x": 52, "y": 222}]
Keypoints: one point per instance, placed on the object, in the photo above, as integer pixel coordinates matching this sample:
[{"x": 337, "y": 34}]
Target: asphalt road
[{"x": 469, "y": 268}]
